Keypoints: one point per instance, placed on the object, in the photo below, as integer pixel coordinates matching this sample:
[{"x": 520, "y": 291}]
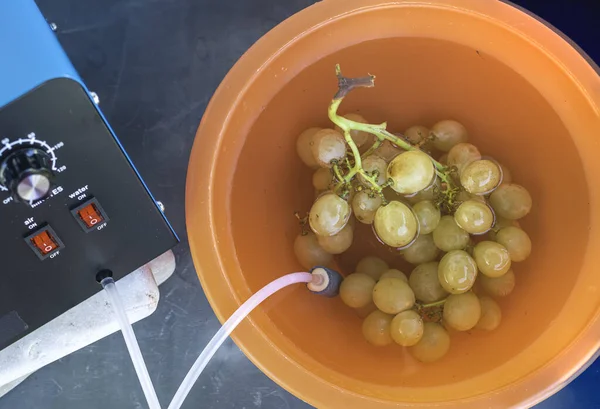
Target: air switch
[
  {"x": 89, "y": 215},
  {"x": 44, "y": 242}
]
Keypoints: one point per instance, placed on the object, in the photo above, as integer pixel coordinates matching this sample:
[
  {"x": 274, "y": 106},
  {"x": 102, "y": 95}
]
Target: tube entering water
[
  {"x": 320, "y": 281},
  {"x": 233, "y": 321},
  {"x": 130, "y": 340}
]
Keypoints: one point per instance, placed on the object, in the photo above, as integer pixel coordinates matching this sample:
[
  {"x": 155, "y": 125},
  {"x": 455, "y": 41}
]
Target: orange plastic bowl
[{"x": 526, "y": 95}]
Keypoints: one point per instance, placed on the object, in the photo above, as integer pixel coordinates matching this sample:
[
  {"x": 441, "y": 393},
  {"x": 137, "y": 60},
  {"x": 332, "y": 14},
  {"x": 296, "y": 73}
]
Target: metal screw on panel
[
  {"x": 95, "y": 98},
  {"x": 53, "y": 27},
  {"x": 161, "y": 206}
]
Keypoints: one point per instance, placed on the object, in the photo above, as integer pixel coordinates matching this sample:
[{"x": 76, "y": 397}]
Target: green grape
[
  {"x": 322, "y": 179},
  {"x": 463, "y": 154},
  {"x": 309, "y": 253},
  {"x": 429, "y": 216},
  {"x": 470, "y": 246},
  {"x": 304, "y": 147},
  {"x": 395, "y": 224},
  {"x": 376, "y": 328},
  {"x": 328, "y": 145},
  {"x": 457, "y": 272},
  {"x": 481, "y": 176},
  {"x": 373, "y": 163},
  {"x": 449, "y": 236},
  {"x": 474, "y": 217},
  {"x": 422, "y": 250},
  {"x": 359, "y": 137},
  {"x": 339, "y": 242},
  {"x": 462, "y": 311},
  {"x": 506, "y": 174},
  {"x": 516, "y": 241},
  {"x": 501, "y": 223},
  {"x": 364, "y": 206},
  {"x": 363, "y": 312},
  {"x": 329, "y": 214},
  {"x": 352, "y": 191},
  {"x": 387, "y": 151},
  {"x": 511, "y": 201},
  {"x": 425, "y": 283},
  {"x": 394, "y": 273},
  {"x": 411, "y": 172},
  {"x": 433, "y": 345},
  {"x": 491, "y": 315},
  {"x": 429, "y": 193},
  {"x": 372, "y": 266},
  {"x": 407, "y": 328},
  {"x": 463, "y": 196},
  {"x": 356, "y": 290},
  {"x": 416, "y": 134},
  {"x": 498, "y": 286},
  {"x": 448, "y": 133},
  {"x": 393, "y": 295},
  {"x": 493, "y": 259}
]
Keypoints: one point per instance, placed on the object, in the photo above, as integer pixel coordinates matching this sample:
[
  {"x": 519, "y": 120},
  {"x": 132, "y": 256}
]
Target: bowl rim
[{"x": 249, "y": 337}]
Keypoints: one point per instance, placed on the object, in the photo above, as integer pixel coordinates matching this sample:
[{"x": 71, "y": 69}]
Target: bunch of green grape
[{"x": 452, "y": 240}]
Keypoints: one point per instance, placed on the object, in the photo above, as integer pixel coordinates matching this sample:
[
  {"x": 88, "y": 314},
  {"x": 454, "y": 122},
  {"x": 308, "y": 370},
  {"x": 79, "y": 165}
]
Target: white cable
[
  {"x": 210, "y": 349},
  {"x": 227, "y": 328},
  {"x": 131, "y": 342}
]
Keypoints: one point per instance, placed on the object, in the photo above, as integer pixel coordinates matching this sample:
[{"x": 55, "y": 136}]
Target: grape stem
[
  {"x": 433, "y": 304},
  {"x": 337, "y": 172},
  {"x": 345, "y": 85},
  {"x": 303, "y": 221},
  {"x": 373, "y": 148},
  {"x": 371, "y": 179}
]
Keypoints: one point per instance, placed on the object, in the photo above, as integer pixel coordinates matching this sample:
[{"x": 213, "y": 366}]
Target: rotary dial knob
[{"x": 27, "y": 173}]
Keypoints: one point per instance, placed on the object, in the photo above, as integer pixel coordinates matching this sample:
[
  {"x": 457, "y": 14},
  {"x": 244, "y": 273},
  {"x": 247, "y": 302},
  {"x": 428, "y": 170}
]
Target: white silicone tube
[
  {"x": 227, "y": 328},
  {"x": 131, "y": 341}
]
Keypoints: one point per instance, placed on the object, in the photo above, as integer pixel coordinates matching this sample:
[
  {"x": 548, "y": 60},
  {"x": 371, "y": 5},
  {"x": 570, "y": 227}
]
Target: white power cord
[
  {"x": 131, "y": 341},
  {"x": 209, "y": 351}
]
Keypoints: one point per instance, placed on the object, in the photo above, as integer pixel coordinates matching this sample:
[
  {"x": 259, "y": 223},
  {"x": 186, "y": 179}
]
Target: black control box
[{"x": 71, "y": 205}]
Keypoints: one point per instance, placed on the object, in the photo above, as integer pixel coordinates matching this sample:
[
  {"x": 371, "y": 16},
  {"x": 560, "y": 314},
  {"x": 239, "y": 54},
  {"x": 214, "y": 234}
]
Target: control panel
[{"x": 71, "y": 205}]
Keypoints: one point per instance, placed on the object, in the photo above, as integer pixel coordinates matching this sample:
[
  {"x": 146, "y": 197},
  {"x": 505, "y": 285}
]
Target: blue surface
[
  {"x": 30, "y": 54},
  {"x": 582, "y": 393}
]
